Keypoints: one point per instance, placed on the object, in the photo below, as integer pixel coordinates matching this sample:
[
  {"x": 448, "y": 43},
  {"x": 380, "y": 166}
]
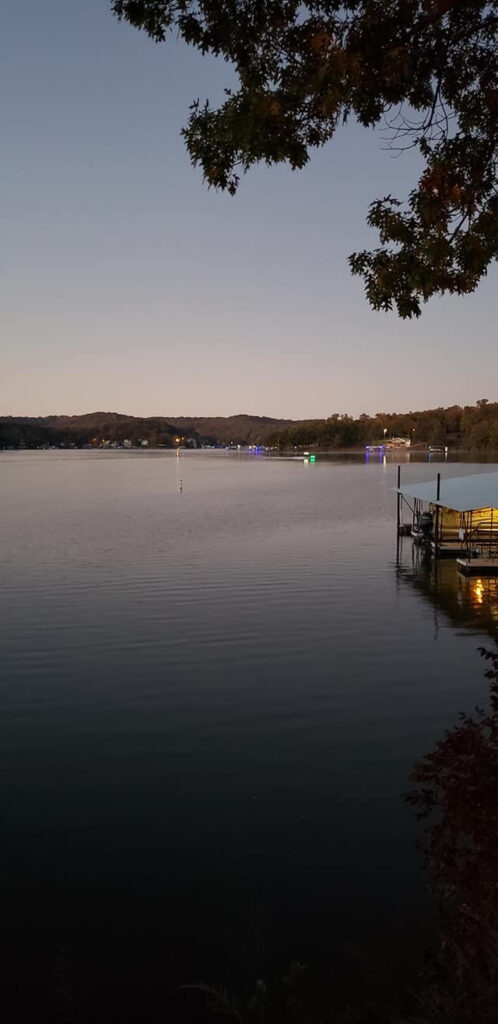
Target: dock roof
[{"x": 461, "y": 493}]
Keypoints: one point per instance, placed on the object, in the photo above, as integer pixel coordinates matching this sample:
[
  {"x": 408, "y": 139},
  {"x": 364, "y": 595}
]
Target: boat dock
[{"x": 454, "y": 518}]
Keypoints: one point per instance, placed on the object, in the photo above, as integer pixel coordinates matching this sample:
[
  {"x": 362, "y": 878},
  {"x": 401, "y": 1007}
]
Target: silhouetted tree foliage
[
  {"x": 425, "y": 70},
  {"x": 90, "y": 429},
  {"x": 238, "y": 429},
  {"x": 473, "y": 426},
  {"x": 457, "y": 793},
  {"x": 468, "y": 427}
]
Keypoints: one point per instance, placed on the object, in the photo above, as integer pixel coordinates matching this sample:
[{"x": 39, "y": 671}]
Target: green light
[{"x": 312, "y": 458}]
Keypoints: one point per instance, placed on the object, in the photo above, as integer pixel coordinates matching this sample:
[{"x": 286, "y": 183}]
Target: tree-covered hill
[
  {"x": 89, "y": 429},
  {"x": 241, "y": 429},
  {"x": 470, "y": 426}
]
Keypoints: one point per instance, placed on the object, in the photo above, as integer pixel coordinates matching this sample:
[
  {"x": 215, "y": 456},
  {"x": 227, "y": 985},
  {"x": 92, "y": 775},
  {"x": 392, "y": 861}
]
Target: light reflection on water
[
  {"x": 211, "y": 701},
  {"x": 465, "y": 601}
]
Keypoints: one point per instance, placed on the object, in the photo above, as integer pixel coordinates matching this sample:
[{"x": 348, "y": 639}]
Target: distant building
[{"x": 398, "y": 442}]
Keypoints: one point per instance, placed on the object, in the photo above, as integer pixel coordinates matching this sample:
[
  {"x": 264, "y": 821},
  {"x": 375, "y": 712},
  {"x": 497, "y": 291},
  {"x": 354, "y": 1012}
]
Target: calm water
[{"x": 211, "y": 702}]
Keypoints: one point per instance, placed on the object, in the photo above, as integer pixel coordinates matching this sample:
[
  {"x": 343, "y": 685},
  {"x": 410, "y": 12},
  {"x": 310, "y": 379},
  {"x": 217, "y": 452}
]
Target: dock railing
[{"x": 483, "y": 539}]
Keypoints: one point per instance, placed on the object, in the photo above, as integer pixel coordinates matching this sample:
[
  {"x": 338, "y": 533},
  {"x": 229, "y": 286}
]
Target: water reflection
[
  {"x": 407, "y": 456},
  {"x": 468, "y": 602}
]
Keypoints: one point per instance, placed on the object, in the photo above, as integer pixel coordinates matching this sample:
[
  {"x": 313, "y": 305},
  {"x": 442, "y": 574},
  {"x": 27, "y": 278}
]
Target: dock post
[
  {"x": 398, "y": 518},
  {"x": 436, "y": 531},
  {"x": 399, "y": 499}
]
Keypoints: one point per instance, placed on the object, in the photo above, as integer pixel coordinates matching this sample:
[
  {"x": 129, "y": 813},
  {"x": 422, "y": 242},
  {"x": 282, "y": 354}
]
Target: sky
[{"x": 126, "y": 285}]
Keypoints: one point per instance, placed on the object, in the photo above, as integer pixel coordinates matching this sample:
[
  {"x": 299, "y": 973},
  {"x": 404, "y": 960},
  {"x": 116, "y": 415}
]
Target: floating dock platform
[
  {"x": 448, "y": 549},
  {"x": 478, "y": 566}
]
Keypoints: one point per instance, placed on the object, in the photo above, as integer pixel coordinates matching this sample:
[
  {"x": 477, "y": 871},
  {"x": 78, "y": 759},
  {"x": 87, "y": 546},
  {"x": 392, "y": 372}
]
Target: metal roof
[{"x": 461, "y": 493}]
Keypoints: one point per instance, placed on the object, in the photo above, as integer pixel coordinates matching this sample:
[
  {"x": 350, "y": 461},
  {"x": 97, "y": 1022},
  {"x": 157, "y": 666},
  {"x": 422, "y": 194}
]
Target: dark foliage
[
  {"x": 427, "y": 70},
  {"x": 90, "y": 429},
  {"x": 241, "y": 429},
  {"x": 457, "y": 793},
  {"x": 474, "y": 427}
]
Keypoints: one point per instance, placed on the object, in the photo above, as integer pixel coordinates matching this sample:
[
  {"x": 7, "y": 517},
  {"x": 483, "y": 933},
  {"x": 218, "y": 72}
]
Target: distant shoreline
[
  {"x": 468, "y": 428},
  {"x": 269, "y": 452}
]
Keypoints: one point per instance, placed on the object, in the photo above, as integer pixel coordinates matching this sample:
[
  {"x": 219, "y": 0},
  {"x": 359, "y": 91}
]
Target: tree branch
[{"x": 440, "y": 8}]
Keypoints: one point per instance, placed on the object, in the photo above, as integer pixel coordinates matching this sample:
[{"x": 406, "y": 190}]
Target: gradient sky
[{"x": 126, "y": 285}]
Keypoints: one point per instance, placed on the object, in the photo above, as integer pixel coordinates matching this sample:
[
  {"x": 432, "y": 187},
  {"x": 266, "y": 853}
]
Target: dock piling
[
  {"x": 436, "y": 524},
  {"x": 399, "y": 499}
]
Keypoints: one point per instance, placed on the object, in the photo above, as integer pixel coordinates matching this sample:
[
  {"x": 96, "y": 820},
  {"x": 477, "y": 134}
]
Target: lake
[{"x": 211, "y": 702}]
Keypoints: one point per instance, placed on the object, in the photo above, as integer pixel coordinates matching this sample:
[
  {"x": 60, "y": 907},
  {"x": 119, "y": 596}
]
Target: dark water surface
[{"x": 211, "y": 702}]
